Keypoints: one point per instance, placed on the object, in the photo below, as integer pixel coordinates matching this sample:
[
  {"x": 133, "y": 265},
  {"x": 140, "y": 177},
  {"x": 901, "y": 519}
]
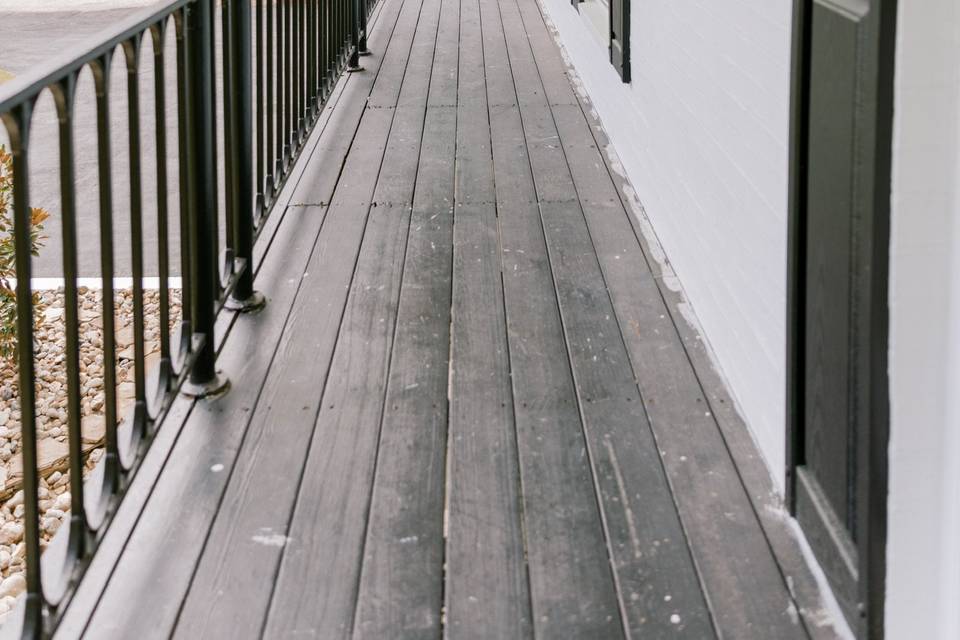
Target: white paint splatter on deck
[{"x": 270, "y": 539}]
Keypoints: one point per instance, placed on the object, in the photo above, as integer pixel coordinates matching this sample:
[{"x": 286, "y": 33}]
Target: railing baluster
[
  {"x": 354, "y": 64},
  {"x": 229, "y": 159},
  {"x": 328, "y": 57},
  {"x": 336, "y": 42},
  {"x": 211, "y": 46},
  {"x": 269, "y": 81},
  {"x": 296, "y": 54},
  {"x": 101, "y": 73},
  {"x": 243, "y": 297},
  {"x": 342, "y": 41},
  {"x": 202, "y": 201},
  {"x": 311, "y": 62},
  {"x": 280, "y": 108},
  {"x": 288, "y": 107},
  {"x": 68, "y": 214},
  {"x": 305, "y": 69},
  {"x": 138, "y": 429},
  {"x": 183, "y": 152},
  {"x": 260, "y": 115},
  {"x": 362, "y": 24},
  {"x": 18, "y": 126},
  {"x": 320, "y": 10},
  {"x": 158, "y": 33}
]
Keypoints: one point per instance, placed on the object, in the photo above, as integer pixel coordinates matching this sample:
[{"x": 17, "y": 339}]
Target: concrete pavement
[{"x": 29, "y": 39}]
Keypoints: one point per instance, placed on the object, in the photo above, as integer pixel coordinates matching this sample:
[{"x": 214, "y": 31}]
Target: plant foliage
[{"x": 8, "y": 264}]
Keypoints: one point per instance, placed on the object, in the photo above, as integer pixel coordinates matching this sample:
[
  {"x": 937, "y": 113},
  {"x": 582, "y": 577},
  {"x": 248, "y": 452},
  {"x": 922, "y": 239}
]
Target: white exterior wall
[
  {"x": 702, "y": 132},
  {"x": 923, "y": 546}
]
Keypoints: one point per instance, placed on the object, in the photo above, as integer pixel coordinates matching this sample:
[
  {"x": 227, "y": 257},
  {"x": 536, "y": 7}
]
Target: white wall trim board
[{"x": 923, "y": 559}]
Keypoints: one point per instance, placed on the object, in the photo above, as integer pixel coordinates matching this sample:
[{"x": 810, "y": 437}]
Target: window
[{"x": 609, "y": 21}]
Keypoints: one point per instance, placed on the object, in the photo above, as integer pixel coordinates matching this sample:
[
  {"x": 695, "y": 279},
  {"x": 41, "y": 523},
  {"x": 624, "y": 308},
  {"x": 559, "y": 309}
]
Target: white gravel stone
[
  {"x": 62, "y": 502},
  {"x": 11, "y": 533},
  {"x": 13, "y": 586},
  {"x": 52, "y": 411}
]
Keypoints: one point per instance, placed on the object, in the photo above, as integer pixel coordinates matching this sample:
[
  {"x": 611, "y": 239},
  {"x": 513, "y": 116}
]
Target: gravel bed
[{"x": 52, "y": 414}]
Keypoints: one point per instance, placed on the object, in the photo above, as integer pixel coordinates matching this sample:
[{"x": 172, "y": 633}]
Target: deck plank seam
[
  {"x": 455, "y": 107},
  {"x": 446, "y": 458}
]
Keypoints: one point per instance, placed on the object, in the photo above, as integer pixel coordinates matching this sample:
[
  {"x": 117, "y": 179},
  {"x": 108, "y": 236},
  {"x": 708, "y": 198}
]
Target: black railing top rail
[{"x": 20, "y": 89}]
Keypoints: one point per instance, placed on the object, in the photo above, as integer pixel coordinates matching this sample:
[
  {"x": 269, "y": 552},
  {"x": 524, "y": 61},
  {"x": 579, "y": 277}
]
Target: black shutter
[{"x": 620, "y": 37}]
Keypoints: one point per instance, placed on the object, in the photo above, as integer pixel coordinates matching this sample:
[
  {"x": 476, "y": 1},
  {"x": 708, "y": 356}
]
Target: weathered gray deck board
[
  {"x": 241, "y": 565},
  {"x": 317, "y": 584},
  {"x": 401, "y": 584},
  {"x": 744, "y": 602},
  {"x": 472, "y": 408},
  {"x": 572, "y": 587},
  {"x": 488, "y": 592},
  {"x": 487, "y": 587},
  {"x": 159, "y": 586},
  {"x": 655, "y": 572}
]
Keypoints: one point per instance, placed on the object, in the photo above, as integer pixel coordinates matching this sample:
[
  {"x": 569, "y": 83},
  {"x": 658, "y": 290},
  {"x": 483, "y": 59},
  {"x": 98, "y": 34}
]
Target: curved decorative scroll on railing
[{"x": 287, "y": 54}]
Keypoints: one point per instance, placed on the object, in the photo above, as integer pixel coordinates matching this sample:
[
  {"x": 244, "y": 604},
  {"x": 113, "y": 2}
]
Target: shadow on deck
[{"x": 472, "y": 405}]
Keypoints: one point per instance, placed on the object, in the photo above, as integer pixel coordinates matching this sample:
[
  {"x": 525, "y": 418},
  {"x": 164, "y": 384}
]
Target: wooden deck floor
[{"x": 472, "y": 406}]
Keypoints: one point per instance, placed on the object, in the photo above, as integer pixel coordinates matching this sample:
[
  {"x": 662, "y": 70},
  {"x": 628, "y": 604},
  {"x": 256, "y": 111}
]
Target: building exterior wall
[
  {"x": 702, "y": 132},
  {"x": 923, "y": 568}
]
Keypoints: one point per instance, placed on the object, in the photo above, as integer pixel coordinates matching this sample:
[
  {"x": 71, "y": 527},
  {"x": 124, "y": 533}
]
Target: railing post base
[
  {"x": 251, "y": 304},
  {"x": 217, "y": 386}
]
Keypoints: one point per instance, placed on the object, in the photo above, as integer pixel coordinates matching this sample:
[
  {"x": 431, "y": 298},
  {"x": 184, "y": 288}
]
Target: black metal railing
[{"x": 274, "y": 64}]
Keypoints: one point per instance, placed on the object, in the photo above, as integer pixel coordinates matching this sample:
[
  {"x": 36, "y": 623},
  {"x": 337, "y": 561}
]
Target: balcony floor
[{"x": 472, "y": 406}]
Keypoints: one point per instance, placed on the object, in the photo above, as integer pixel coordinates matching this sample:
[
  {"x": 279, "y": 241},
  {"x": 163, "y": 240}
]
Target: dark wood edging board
[
  {"x": 248, "y": 354},
  {"x": 718, "y": 407}
]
